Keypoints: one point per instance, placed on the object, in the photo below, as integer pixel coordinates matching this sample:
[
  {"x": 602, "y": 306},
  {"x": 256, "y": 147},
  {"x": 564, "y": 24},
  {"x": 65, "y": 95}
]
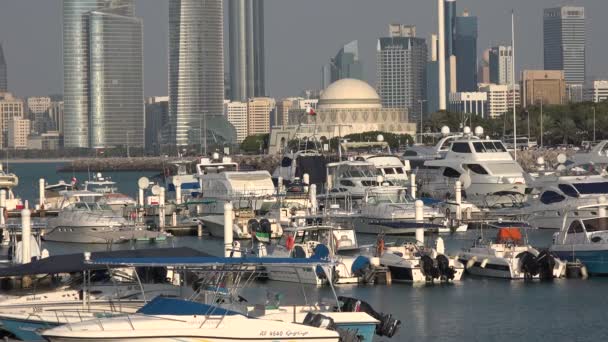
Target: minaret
[{"x": 441, "y": 57}]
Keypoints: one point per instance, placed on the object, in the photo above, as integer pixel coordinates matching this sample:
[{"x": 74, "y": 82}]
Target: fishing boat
[{"x": 510, "y": 257}]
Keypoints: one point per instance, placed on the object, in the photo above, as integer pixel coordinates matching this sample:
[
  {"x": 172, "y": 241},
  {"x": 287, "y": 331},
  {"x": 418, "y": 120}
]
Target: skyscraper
[
  {"x": 3, "y": 74},
  {"x": 501, "y": 62},
  {"x": 465, "y": 50},
  {"x": 346, "y": 64},
  {"x": 246, "y": 44},
  {"x": 401, "y": 72},
  {"x": 450, "y": 26},
  {"x": 564, "y": 42},
  {"x": 102, "y": 74},
  {"x": 196, "y": 73}
]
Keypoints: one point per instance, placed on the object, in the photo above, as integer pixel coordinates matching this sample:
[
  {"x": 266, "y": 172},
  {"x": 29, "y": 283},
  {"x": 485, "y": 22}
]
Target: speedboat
[
  {"x": 411, "y": 261},
  {"x": 353, "y": 177},
  {"x": 510, "y": 257},
  {"x": 483, "y": 166},
  {"x": 584, "y": 239},
  {"x": 172, "y": 319},
  {"x": 85, "y": 220},
  {"x": 390, "y": 210},
  {"x": 111, "y": 196}
]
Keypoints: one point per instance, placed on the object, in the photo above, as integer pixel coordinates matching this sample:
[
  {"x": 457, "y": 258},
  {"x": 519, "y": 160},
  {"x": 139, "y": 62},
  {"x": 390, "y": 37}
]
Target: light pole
[
  {"x": 541, "y": 122},
  {"x": 421, "y": 122},
  {"x": 594, "y": 124}
]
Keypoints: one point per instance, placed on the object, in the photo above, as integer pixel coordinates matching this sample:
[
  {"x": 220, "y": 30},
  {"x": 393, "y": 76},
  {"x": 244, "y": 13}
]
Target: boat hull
[
  {"x": 96, "y": 235},
  {"x": 596, "y": 261},
  {"x": 389, "y": 227}
]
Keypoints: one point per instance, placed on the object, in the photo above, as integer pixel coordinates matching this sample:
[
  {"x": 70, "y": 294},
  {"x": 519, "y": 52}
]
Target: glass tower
[
  {"x": 465, "y": 50},
  {"x": 87, "y": 22},
  {"x": 3, "y": 74},
  {"x": 246, "y": 42},
  {"x": 346, "y": 64},
  {"x": 564, "y": 42},
  {"x": 196, "y": 73}
]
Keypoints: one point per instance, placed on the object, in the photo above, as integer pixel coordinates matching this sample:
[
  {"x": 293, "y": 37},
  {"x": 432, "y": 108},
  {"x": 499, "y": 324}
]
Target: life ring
[{"x": 290, "y": 243}]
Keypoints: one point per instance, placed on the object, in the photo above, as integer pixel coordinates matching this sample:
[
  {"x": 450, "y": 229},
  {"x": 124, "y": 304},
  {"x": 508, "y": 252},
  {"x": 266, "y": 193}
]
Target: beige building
[
  {"x": 18, "y": 132},
  {"x": 548, "y": 86},
  {"x": 499, "y": 98},
  {"x": 282, "y": 112},
  {"x": 56, "y": 115},
  {"x": 347, "y": 106},
  {"x": 236, "y": 113},
  {"x": 258, "y": 115},
  {"x": 10, "y": 108}
]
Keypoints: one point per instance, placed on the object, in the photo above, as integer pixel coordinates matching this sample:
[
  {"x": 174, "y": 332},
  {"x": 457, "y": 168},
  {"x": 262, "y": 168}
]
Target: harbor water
[{"x": 475, "y": 309}]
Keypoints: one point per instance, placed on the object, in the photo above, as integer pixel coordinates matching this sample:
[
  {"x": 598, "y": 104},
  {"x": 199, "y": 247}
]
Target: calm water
[{"x": 476, "y": 309}]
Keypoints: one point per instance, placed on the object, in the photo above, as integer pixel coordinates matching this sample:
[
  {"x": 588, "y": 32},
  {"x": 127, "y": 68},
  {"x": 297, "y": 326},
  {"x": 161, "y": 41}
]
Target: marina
[{"x": 291, "y": 245}]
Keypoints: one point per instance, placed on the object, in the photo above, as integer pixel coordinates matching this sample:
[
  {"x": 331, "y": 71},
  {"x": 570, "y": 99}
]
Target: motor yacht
[
  {"x": 597, "y": 154},
  {"x": 484, "y": 167},
  {"x": 83, "y": 219},
  {"x": 353, "y": 177},
  {"x": 510, "y": 257},
  {"x": 411, "y": 261},
  {"x": 295, "y": 164},
  {"x": 105, "y": 186},
  {"x": 390, "y": 167},
  {"x": 188, "y": 182}
]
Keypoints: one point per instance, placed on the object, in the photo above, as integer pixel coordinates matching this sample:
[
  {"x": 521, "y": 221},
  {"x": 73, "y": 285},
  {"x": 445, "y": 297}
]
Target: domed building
[{"x": 345, "y": 107}]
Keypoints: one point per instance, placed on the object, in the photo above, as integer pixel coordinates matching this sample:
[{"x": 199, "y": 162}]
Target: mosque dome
[{"x": 349, "y": 93}]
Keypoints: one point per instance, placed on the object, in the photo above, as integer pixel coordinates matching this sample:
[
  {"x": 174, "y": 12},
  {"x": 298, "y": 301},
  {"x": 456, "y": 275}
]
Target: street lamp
[{"x": 421, "y": 128}]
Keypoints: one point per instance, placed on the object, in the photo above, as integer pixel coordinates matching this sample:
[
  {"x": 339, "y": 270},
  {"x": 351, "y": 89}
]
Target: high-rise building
[
  {"x": 400, "y": 30},
  {"x": 501, "y": 64},
  {"x": 483, "y": 70},
  {"x": 38, "y": 109},
  {"x": 157, "y": 118},
  {"x": 468, "y": 103},
  {"x": 401, "y": 73},
  {"x": 103, "y": 73},
  {"x": 346, "y": 64},
  {"x": 11, "y": 108},
  {"x": 450, "y": 26},
  {"x": 56, "y": 115},
  {"x": 236, "y": 112},
  {"x": 564, "y": 42},
  {"x": 3, "y": 72},
  {"x": 196, "y": 73},
  {"x": 465, "y": 50},
  {"x": 499, "y": 98},
  {"x": 246, "y": 46},
  {"x": 548, "y": 86},
  {"x": 258, "y": 115},
  {"x": 597, "y": 91},
  {"x": 282, "y": 110},
  {"x": 18, "y": 131}
]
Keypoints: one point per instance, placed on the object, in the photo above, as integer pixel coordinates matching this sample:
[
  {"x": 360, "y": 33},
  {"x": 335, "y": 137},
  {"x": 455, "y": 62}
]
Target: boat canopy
[
  {"x": 509, "y": 235},
  {"x": 179, "y": 307},
  {"x": 72, "y": 263},
  {"x": 201, "y": 261}
]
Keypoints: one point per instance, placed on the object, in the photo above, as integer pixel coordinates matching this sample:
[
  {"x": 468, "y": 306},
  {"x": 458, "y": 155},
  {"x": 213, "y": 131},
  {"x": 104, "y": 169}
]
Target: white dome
[{"x": 349, "y": 93}]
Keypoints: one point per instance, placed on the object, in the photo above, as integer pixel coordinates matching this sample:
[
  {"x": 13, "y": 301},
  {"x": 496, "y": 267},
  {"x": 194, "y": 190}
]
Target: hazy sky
[{"x": 301, "y": 35}]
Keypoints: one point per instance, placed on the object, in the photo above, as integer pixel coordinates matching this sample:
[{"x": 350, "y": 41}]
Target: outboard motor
[
  {"x": 324, "y": 322},
  {"x": 253, "y": 226},
  {"x": 546, "y": 264},
  {"x": 430, "y": 271},
  {"x": 446, "y": 272},
  {"x": 388, "y": 325},
  {"x": 264, "y": 232},
  {"x": 528, "y": 264}
]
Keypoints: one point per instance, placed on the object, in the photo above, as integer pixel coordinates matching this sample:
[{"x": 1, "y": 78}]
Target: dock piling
[
  {"x": 419, "y": 216},
  {"x": 458, "y": 195},
  {"x": 312, "y": 196},
  {"x": 228, "y": 223},
  {"x": 413, "y": 188},
  {"x": 26, "y": 236},
  {"x": 161, "y": 209},
  {"x": 41, "y": 198}
]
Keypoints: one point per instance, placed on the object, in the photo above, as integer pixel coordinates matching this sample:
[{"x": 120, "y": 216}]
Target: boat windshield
[
  {"x": 90, "y": 206},
  {"x": 594, "y": 188},
  {"x": 394, "y": 197},
  {"x": 596, "y": 224},
  {"x": 503, "y": 168},
  {"x": 359, "y": 171},
  {"x": 489, "y": 146}
]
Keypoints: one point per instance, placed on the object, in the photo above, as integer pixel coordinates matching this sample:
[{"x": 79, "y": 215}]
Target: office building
[
  {"x": 157, "y": 119},
  {"x": 499, "y": 98},
  {"x": 236, "y": 112},
  {"x": 400, "y": 30},
  {"x": 103, "y": 89},
  {"x": 465, "y": 50},
  {"x": 282, "y": 111},
  {"x": 564, "y": 42},
  {"x": 468, "y": 103},
  {"x": 345, "y": 64},
  {"x": 196, "y": 73},
  {"x": 401, "y": 73},
  {"x": 501, "y": 64},
  {"x": 246, "y": 46},
  {"x": 3, "y": 72},
  {"x": 548, "y": 86},
  {"x": 11, "y": 108},
  {"x": 450, "y": 26},
  {"x": 597, "y": 91},
  {"x": 18, "y": 132},
  {"x": 38, "y": 112},
  {"x": 483, "y": 71},
  {"x": 56, "y": 116},
  {"x": 258, "y": 115}
]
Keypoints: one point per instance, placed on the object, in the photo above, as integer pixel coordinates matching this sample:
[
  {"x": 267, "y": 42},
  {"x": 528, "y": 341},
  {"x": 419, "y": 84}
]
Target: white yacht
[
  {"x": 598, "y": 154},
  {"x": 105, "y": 186},
  {"x": 511, "y": 258},
  {"x": 416, "y": 155},
  {"x": 353, "y": 177},
  {"x": 484, "y": 167},
  {"x": 390, "y": 167},
  {"x": 189, "y": 184},
  {"x": 172, "y": 319},
  {"x": 83, "y": 219},
  {"x": 390, "y": 210},
  {"x": 8, "y": 180},
  {"x": 411, "y": 261}
]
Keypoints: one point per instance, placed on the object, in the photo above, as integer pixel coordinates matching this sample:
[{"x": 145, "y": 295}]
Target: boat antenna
[{"x": 513, "y": 84}]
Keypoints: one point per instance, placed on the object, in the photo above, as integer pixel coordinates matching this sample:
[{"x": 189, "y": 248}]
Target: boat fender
[
  {"x": 360, "y": 266},
  {"x": 584, "y": 272},
  {"x": 471, "y": 262},
  {"x": 484, "y": 262}
]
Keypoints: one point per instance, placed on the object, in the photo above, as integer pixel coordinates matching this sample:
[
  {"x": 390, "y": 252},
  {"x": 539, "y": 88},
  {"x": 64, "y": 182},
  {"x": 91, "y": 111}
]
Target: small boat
[
  {"x": 584, "y": 239},
  {"x": 411, "y": 261},
  {"x": 510, "y": 257},
  {"x": 83, "y": 219}
]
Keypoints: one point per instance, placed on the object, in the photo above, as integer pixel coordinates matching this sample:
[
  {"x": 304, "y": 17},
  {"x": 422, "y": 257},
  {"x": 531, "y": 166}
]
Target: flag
[{"x": 310, "y": 111}]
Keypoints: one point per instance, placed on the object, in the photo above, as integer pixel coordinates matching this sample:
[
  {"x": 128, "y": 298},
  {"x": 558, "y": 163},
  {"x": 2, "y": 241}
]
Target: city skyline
[{"x": 305, "y": 44}]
